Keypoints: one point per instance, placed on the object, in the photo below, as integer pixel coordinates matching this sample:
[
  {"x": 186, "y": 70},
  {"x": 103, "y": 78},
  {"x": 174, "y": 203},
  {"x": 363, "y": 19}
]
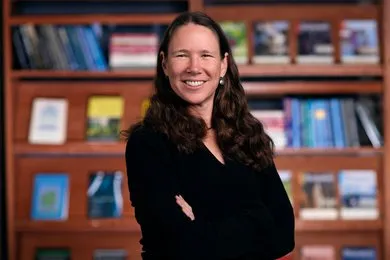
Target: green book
[{"x": 52, "y": 254}]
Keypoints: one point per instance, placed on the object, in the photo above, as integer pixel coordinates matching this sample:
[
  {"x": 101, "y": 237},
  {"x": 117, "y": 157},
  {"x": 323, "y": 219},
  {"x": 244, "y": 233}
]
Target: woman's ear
[
  {"x": 224, "y": 64},
  {"x": 163, "y": 62}
]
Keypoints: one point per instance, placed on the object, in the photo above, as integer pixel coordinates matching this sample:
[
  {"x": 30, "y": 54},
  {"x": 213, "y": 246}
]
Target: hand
[{"x": 185, "y": 207}]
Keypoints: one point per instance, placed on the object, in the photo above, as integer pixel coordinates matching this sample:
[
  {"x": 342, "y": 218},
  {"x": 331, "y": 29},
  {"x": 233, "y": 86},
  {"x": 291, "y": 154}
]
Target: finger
[{"x": 189, "y": 214}]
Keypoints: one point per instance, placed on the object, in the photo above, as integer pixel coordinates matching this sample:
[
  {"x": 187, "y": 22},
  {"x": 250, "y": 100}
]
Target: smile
[{"x": 194, "y": 83}]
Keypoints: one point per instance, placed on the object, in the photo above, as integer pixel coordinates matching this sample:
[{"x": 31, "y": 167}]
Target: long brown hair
[{"x": 239, "y": 135}]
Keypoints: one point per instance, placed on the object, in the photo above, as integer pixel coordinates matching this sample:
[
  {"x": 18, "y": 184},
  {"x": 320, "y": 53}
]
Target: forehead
[{"x": 194, "y": 36}]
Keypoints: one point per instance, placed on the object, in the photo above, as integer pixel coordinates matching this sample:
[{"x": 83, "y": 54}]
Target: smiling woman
[
  {"x": 200, "y": 167},
  {"x": 194, "y": 66}
]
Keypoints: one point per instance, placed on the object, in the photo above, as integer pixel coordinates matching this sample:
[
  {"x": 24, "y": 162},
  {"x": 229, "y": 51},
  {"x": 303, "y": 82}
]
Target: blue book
[
  {"x": 50, "y": 198},
  {"x": 105, "y": 195},
  {"x": 359, "y": 253}
]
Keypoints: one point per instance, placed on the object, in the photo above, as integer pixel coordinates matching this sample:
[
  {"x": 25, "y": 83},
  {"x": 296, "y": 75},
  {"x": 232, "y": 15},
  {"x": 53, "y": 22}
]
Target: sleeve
[
  {"x": 279, "y": 238},
  {"x": 152, "y": 189}
]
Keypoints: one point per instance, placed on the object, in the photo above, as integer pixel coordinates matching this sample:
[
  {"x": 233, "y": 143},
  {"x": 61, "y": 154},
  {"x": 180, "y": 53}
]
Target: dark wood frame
[{"x": 25, "y": 234}]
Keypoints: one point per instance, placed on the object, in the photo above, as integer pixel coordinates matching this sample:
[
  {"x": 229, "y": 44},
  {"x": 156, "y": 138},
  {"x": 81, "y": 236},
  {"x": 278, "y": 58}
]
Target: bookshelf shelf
[
  {"x": 330, "y": 151},
  {"x": 88, "y": 19},
  {"x": 293, "y": 12},
  {"x": 37, "y": 74},
  {"x": 311, "y": 70},
  {"x": 79, "y": 226},
  {"x": 245, "y": 71},
  {"x": 131, "y": 226},
  {"x": 307, "y": 87},
  {"x": 338, "y": 225},
  {"x": 118, "y": 148},
  {"x": 72, "y": 148}
]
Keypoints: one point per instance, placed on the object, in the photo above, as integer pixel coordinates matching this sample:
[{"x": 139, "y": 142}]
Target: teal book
[
  {"x": 52, "y": 254},
  {"x": 105, "y": 194}
]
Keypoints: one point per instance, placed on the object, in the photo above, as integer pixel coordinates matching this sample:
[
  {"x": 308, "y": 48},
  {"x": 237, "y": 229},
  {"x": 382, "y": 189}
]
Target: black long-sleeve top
[{"x": 239, "y": 213}]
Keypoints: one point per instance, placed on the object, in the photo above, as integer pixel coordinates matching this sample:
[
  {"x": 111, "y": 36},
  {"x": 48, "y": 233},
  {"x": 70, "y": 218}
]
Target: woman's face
[{"x": 194, "y": 65}]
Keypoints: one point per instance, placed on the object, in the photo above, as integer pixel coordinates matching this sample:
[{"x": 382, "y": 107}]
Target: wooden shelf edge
[
  {"x": 307, "y": 87},
  {"x": 165, "y": 18},
  {"x": 245, "y": 71},
  {"x": 338, "y": 225},
  {"x": 79, "y": 226},
  {"x": 358, "y": 70},
  {"x": 132, "y": 226},
  {"x": 349, "y": 151},
  {"x": 92, "y": 148},
  {"x": 118, "y": 148},
  {"x": 293, "y": 11},
  {"x": 133, "y": 73}
]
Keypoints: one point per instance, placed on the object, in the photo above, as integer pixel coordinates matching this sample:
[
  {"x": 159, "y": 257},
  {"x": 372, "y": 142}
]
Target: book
[
  {"x": 358, "y": 193},
  {"x": 236, "y": 34},
  {"x": 285, "y": 176},
  {"x": 318, "y": 252},
  {"x": 359, "y": 41},
  {"x": 318, "y": 199},
  {"x": 359, "y": 253},
  {"x": 314, "y": 43},
  {"x": 48, "y": 123},
  {"x": 110, "y": 254},
  {"x": 105, "y": 194},
  {"x": 50, "y": 196},
  {"x": 271, "y": 42},
  {"x": 103, "y": 117},
  {"x": 52, "y": 254}
]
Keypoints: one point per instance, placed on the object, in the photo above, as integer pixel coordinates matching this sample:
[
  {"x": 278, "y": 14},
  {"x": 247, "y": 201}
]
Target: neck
[{"x": 203, "y": 111}]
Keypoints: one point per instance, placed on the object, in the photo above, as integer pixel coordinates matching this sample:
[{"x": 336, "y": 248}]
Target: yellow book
[{"x": 104, "y": 114}]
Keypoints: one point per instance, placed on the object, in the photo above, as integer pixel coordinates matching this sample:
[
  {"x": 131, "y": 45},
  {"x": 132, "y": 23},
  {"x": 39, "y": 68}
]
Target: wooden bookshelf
[{"x": 78, "y": 157}]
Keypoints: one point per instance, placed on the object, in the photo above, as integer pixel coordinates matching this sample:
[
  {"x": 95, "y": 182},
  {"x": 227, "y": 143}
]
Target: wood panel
[
  {"x": 81, "y": 245},
  {"x": 89, "y": 19},
  {"x": 338, "y": 241},
  {"x": 77, "y": 94},
  {"x": 78, "y": 169}
]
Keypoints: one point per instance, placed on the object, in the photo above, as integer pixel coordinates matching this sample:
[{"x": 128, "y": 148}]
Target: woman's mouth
[{"x": 194, "y": 84}]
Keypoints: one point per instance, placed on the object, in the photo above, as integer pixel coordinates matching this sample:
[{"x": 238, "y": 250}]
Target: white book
[{"x": 48, "y": 123}]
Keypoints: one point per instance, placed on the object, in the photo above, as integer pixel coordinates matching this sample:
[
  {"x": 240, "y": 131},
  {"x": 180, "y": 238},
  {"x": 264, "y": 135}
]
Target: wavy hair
[{"x": 239, "y": 135}]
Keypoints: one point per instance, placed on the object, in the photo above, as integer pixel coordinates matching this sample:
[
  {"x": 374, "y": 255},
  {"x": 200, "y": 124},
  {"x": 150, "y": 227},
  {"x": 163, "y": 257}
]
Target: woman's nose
[{"x": 194, "y": 65}]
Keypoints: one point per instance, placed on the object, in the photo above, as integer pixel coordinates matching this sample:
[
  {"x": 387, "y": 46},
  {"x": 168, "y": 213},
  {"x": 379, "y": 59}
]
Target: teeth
[{"x": 194, "y": 83}]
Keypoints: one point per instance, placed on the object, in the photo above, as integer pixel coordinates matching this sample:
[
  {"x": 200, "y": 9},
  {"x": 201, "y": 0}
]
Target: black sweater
[{"x": 239, "y": 213}]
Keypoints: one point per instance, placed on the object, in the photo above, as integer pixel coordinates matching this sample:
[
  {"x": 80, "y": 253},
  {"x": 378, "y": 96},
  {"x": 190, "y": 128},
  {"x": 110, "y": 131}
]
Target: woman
[{"x": 200, "y": 168}]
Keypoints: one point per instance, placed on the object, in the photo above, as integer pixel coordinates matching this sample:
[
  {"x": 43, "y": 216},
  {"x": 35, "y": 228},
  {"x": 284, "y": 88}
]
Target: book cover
[
  {"x": 273, "y": 123},
  {"x": 50, "y": 196},
  {"x": 236, "y": 34},
  {"x": 318, "y": 196},
  {"x": 318, "y": 252},
  {"x": 314, "y": 43},
  {"x": 358, "y": 192},
  {"x": 48, "y": 123},
  {"x": 359, "y": 253},
  {"x": 285, "y": 176},
  {"x": 271, "y": 42},
  {"x": 110, "y": 254},
  {"x": 103, "y": 117},
  {"x": 52, "y": 254},
  {"x": 105, "y": 194},
  {"x": 359, "y": 41}
]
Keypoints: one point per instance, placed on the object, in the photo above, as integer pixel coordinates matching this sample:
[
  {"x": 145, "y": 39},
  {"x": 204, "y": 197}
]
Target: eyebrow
[{"x": 187, "y": 51}]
